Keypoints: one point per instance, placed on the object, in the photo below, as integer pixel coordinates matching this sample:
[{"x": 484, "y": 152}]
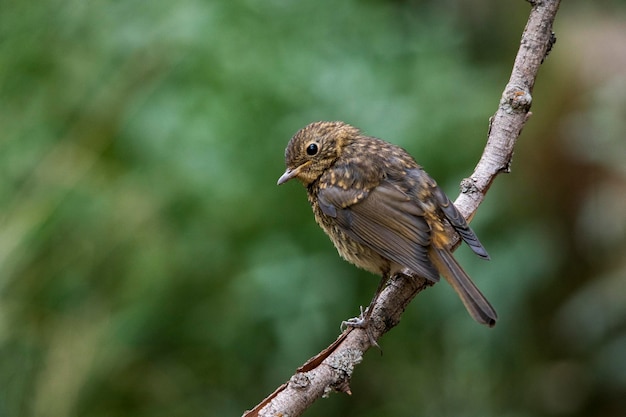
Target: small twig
[
  {"x": 332, "y": 368},
  {"x": 506, "y": 124}
]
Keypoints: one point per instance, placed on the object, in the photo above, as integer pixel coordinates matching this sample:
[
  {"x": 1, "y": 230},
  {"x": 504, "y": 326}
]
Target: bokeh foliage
[{"x": 149, "y": 265}]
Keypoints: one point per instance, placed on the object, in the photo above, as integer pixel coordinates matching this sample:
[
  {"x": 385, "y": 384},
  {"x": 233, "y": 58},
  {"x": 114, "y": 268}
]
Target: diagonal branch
[{"x": 332, "y": 368}]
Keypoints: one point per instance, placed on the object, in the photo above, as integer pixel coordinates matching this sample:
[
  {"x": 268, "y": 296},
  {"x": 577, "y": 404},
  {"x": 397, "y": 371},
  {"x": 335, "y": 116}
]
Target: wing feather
[
  {"x": 459, "y": 224},
  {"x": 386, "y": 220}
]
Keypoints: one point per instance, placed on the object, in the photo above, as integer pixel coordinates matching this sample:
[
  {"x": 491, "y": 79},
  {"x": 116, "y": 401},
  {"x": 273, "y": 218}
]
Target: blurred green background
[{"x": 150, "y": 266}]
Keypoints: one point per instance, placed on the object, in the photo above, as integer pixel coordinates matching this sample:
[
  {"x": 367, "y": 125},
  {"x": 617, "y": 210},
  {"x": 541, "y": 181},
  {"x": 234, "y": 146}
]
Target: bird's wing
[
  {"x": 384, "y": 219},
  {"x": 457, "y": 221}
]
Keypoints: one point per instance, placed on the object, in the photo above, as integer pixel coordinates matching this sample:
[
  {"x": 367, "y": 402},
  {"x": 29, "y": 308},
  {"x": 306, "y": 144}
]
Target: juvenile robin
[{"x": 381, "y": 210}]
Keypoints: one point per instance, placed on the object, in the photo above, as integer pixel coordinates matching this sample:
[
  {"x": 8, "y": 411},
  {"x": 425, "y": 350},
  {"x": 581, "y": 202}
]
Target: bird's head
[{"x": 314, "y": 149}]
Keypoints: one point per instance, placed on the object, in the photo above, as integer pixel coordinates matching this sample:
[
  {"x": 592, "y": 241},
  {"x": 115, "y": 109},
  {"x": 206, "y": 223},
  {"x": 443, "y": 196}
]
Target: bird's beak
[{"x": 291, "y": 173}]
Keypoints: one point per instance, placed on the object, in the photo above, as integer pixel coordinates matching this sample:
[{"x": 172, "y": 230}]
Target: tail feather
[{"x": 475, "y": 302}]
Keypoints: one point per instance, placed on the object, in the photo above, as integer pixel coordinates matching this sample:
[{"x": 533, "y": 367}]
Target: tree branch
[{"x": 332, "y": 368}]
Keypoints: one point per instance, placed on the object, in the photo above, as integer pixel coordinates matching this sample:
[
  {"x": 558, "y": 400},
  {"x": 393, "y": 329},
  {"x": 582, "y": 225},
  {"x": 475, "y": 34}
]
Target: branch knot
[
  {"x": 468, "y": 186},
  {"x": 516, "y": 99},
  {"x": 299, "y": 381}
]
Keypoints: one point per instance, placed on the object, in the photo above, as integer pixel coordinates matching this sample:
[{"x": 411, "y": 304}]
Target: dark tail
[{"x": 475, "y": 302}]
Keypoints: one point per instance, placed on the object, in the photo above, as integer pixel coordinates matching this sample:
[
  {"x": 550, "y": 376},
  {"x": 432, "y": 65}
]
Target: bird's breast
[{"x": 348, "y": 248}]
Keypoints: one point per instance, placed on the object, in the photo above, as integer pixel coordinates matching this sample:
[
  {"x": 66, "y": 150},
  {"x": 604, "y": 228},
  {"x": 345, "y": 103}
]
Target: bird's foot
[
  {"x": 356, "y": 322},
  {"x": 361, "y": 322}
]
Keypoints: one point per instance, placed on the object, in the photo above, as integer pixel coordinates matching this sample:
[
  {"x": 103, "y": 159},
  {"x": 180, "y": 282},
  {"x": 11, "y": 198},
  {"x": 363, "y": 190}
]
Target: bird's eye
[{"x": 311, "y": 149}]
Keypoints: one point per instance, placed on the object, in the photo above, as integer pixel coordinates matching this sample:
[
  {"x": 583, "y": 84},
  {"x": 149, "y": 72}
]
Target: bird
[{"x": 382, "y": 211}]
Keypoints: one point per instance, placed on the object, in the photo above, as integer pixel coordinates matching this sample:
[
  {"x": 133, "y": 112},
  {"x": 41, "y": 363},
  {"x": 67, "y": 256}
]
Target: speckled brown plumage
[{"x": 381, "y": 210}]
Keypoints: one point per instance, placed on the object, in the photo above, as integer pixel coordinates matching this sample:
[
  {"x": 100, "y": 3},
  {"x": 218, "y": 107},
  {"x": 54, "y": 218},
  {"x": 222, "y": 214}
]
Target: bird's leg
[{"x": 362, "y": 321}]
